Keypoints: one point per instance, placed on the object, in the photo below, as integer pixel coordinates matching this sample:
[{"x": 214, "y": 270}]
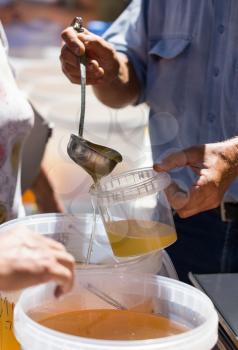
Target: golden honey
[
  {"x": 7, "y": 339},
  {"x": 113, "y": 324},
  {"x": 137, "y": 237}
]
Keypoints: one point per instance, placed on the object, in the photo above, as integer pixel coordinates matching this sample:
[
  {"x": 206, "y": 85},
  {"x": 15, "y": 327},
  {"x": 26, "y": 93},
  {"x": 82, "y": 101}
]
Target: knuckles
[{"x": 65, "y": 34}]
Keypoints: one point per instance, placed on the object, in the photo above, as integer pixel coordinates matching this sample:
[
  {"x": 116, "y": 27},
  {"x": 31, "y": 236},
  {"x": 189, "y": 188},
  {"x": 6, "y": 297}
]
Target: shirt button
[
  {"x": 211, "y": 117},
  {"x": 221, "y": 28},
  {"x": 216, "y": 71}
]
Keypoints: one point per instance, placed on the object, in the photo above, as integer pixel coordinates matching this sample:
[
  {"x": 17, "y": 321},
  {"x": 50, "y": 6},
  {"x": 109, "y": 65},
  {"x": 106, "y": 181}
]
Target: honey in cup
[
  {"x": 109, "y": 324},
  {"x": 137, "y": 237},
  {"x": 135, "y": 211}
]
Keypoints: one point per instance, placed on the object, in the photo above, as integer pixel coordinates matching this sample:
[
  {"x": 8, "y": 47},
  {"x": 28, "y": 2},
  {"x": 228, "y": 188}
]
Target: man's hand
[
  {"x": 27, "y": 258},
  {"x": 102, "y": 63},
  {"x": 111, "y": 73},
  {"x": 216, "y": 166}
]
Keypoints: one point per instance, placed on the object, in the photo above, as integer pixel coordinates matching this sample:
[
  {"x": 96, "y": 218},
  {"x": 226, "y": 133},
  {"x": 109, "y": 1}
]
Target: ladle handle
[
  {"x": 77, "y": 24},
  {"x": 83, "y": 93}
]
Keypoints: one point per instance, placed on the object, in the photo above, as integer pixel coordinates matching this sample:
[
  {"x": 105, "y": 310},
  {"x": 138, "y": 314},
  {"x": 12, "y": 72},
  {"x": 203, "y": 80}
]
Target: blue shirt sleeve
[{"x": 128, "y": 36}]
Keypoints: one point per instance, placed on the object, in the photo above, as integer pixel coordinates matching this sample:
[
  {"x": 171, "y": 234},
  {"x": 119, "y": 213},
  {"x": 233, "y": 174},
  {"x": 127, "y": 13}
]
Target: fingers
[
  {"x": 201, "y": 198},
  {"x": 57, "y": 266},
  {"x": 102, "y": 63},
  {"x": 73, "y": 42},
  {"x": 174, "y": 160},
  {"x": 45, "y": 260},
  {"x": 71, "y": 67},
  {"x": 176, "y": 196},
  {"x": 79, "y": 42},
  {"x": 190, "y": 156},
  {"x": 61, "y": 270},
  {"x": 69, "y": 57},
  {"x": 54, "y": 244},
  {"x": 62, "y": 276}
]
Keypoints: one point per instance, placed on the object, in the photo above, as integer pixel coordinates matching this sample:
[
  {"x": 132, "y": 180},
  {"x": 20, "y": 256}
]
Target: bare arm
[{"x": 111, "y": 74}]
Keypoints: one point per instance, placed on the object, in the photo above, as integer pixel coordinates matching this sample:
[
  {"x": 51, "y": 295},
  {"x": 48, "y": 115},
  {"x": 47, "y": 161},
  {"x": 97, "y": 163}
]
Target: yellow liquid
[
  {"x": 136, "y": 237},
  {"x": 113, "y": 325},
  {"x": 7, "y": 339}
]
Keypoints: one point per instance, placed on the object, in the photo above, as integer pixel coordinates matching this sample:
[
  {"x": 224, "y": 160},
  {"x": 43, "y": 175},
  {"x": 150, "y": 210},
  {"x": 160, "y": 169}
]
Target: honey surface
[
  {"x": 113, "y": 324},
  {"x": 136, "y": 237}
]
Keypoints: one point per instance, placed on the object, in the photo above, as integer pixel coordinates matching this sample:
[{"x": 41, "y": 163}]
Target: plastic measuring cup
[
  {"x": 144, "y": 293},
  {"x": 135, "y": 211}
]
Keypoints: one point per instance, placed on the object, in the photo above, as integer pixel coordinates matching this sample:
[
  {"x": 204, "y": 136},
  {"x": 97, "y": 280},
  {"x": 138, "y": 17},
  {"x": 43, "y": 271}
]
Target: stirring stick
[{"x": 105, "y": 297}]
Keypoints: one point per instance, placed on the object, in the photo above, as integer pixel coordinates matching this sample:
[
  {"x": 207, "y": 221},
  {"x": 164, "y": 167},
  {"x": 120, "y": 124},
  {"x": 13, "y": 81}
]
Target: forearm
[{"x": 124, "y": 87}]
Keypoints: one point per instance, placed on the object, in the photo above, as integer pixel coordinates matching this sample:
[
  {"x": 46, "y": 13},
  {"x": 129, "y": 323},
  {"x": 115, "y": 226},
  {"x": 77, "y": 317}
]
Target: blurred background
[{"x": 33, "y": 32}]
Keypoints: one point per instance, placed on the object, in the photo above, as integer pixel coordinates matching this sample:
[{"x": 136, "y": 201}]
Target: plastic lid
[{"x": 130, "y": 185}]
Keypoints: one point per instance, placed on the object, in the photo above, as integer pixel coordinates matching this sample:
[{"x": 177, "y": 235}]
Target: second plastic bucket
[
  {"x": 144, "y": 293},
  {"x": 75, "y": 232}
]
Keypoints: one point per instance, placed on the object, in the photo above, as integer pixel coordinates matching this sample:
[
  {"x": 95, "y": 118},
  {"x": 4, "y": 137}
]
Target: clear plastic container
[
  {"x": 135, "y": 211},
  {"x": 144, "y": 293}
]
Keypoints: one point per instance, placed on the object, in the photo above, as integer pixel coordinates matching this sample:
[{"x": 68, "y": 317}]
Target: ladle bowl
[{"x": 97, "y": 160}]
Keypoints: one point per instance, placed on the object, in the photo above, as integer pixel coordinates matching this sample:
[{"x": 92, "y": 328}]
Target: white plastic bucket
[
  {"x": 154, "y": 294},
  {"x": 74, "y": 231}
]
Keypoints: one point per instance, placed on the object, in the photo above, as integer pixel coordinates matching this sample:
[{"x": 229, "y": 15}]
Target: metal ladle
[{"x": 97, "y": 160}]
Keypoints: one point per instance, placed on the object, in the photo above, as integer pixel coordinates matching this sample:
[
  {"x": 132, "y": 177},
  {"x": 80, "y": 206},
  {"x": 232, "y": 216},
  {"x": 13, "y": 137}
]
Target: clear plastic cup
[
  {"x": 141, "y": 293},
  {"x": 135, "y": 211}
]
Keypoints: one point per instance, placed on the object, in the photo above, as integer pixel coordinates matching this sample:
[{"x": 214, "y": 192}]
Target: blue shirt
[{"x": 185, "y": 54}]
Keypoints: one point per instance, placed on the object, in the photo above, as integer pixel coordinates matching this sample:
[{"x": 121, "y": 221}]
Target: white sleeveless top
[{"x": 16, "y": 117}]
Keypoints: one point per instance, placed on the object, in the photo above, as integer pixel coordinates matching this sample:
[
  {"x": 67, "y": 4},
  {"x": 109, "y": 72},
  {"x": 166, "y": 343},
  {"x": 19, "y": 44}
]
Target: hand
[
  {"x": 27, "y": 258},
  {"x": 102, "y": 63},
  {"x": 216, "y": 166}
]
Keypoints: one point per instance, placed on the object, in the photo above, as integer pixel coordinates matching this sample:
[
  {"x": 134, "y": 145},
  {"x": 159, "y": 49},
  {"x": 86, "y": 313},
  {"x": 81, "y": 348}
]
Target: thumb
[{"x": 174, "y": 160}]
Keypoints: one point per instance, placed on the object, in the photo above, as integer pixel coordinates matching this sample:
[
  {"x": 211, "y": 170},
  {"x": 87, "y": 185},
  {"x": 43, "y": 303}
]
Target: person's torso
[
  {"x": 192, "y": 73},
  {"x": 15, "y": 123}
]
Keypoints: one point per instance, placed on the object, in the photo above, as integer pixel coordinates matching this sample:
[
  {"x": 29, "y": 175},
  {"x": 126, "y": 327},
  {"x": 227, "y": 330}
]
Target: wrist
[{"x": 231, "y": 153}]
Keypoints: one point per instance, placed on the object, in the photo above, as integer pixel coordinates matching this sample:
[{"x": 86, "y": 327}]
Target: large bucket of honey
[
  {"x": 116, "y": 311},
  {"x": 74, "y": 231}
]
